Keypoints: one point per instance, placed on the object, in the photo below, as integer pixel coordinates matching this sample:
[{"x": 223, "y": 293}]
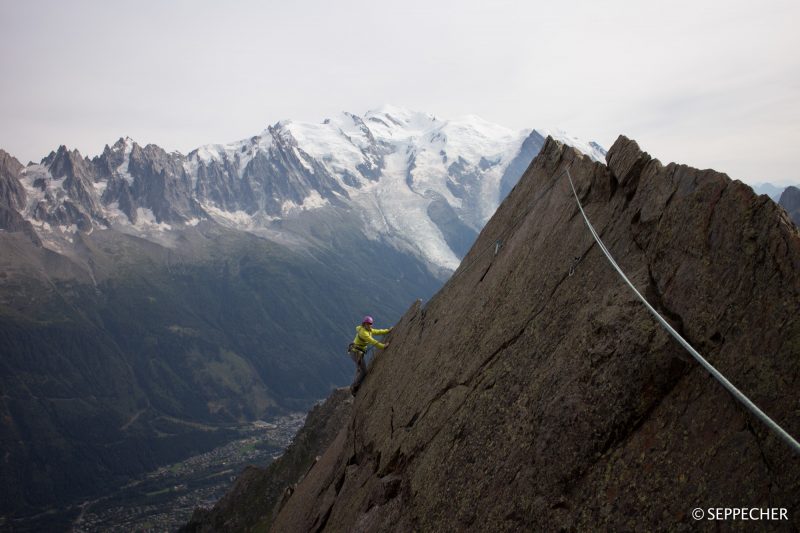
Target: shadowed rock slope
[
  {"x": 523, "y": 398},
  {"x": 254, "y": 498}
]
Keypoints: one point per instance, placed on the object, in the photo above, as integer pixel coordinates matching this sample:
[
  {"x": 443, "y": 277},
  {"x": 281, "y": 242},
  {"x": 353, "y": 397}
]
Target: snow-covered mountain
[{"x": 423, "y": 184}]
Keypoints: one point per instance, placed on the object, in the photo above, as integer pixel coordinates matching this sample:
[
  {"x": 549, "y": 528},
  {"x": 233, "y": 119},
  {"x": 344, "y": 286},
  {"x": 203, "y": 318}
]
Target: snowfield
[{"x": 389, "y": 165}]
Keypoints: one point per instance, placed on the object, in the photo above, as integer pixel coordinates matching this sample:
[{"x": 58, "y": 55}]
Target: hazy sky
[{"x": 708, "y": 83}]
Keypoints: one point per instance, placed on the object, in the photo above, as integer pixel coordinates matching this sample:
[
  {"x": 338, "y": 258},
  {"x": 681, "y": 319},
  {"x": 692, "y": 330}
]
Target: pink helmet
[{"x": 367, "y": 320}]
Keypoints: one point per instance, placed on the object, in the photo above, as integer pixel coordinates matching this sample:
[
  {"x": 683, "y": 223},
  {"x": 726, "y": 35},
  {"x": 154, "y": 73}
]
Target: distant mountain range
[
  {"x": 790, "y": 200},
  {"x": 151, "y": 301},
  {"x": 773, "y": 191},
  {"x": 423, "y": 184}
]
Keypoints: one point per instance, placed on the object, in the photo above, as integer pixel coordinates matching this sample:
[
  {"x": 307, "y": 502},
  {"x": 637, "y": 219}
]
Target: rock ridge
[
  {"x": 13, "y": 198},
  {"x": 527, "y": 397}
]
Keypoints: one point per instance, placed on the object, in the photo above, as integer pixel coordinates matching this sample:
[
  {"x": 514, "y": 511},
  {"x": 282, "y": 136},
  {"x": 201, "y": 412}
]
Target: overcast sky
[{"x": 714, "y": 84}]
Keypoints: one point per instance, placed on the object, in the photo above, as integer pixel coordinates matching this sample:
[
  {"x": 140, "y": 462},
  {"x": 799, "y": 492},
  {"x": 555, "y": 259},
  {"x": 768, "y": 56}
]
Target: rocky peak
[
  {"x": 13, "y": 198},
  {"x": 790, "y": 200},
  {"x": 126, "y": 177},
  {"x": 281, "y": 133},
  {"x": 113, "y": 167},
  {"x": 217, "y": 183},
  {"x": 66, "y": 163},
  {"x": 12, "y": 194},
  {"x": 162, "y": 184},
  {"x": 534, "y": 392},
  {"x": 79, "y": 204},
  {"x": 112, "y": 157}
]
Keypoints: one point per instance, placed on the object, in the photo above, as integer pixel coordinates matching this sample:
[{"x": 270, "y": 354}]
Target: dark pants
[{"x": 361, "y": 368}]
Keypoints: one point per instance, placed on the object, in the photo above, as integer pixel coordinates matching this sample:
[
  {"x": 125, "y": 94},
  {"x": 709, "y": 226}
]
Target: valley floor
[{"x": 163, "y": 500}]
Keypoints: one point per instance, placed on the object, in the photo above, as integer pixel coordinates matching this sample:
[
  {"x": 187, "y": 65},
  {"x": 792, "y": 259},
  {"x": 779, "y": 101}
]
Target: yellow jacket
[{"x": 364, "y": 337}]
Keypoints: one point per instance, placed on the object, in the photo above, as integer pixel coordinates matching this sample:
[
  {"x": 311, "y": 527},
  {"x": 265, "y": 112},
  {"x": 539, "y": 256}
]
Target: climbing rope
[
  {"x": 700, "y": 359},
  {"x": 497, "y": 244}
]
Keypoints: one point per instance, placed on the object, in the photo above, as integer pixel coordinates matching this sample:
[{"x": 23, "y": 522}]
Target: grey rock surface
[
  {"x": 13, "y": 198},
  {"x": 523, "y": 398},
  {"x": 12, "y": 194}
]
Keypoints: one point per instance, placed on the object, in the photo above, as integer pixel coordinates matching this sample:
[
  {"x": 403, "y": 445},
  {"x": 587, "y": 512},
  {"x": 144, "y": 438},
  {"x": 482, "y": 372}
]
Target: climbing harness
[{"x": 753, "y": 408}]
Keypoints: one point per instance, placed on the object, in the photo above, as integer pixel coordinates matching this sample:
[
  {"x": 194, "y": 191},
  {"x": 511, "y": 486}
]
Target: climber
[{"x": 358, "y": 348}]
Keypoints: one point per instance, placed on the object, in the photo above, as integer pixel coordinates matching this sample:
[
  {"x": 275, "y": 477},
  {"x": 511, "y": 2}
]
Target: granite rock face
[
  {"x": 790, "y": 200},
  {"x": 523, "y": 398},
  {"x": 13, "y": 198},
  {"x": 125, "y": 177},
  {"x": 79, "y": 204},
  {"x": 162, "y": 185},
  {"x": 12, "y": 194}
]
